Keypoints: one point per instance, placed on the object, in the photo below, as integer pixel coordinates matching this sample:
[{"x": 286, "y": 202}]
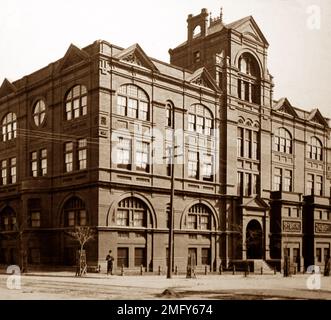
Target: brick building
[{"x": 87, "y": 141}]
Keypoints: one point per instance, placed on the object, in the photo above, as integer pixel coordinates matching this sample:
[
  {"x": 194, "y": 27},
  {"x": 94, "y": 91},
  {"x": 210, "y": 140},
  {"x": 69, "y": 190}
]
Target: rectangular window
[
  {"x": 35, "y": 219},
  {"x": 255, "y": 154},
  {"x": 139, "y": 257},
  {"x": 248, "y": 184},
  {"x": 325, "y": 216},
  {"x": 122, "y": 218},
  {"x": 282, "y": 146},
  {"x": 256, "y": 184},
  {"x": 34, "y": 164},
  {"x": 123, "y": 257},
  {"x": 133, "y": 108},
  {"x": 124, "y": 153},
  {"x": 287, "y": 212},
  {"x": 319, "y": 254},
  {"x": 318, "y": 214},
  {"x": 69, "y": 157},
  {"x": 277, "y": 144},
  {"x": 240, "y": 142},
  {"x": 295, "y": 213},
  {"x": 248, "y": 143},
  {"x": 121, "y": 105},
  {"x": 4, "y": 180},
  {"x": 199, "y": 124},
  {"x": 205, "y": 256},
  {"x": 288, "y": 180},
  {"x": 142, "y": 156},
  {"x": 239, "y": 89},
  {"x": 138, "y": 219},
  {"x": 191, "y": 122},
  {"x": 310, "y": 184},
  {"x": 208, "y": 126},
  {"x": 71, "y": 219},
  {"x": 247, "y": 88},
  {"x": 68, "y": 111},
  {"x": 207, "y": 168},
  {"x": 278, "y": 179},
  {"x": 193, "y": 164},
  {"x": 143, "y": 110},
  {"x": 13, "y": 176},
  {"x": 84, "y": 105},
  {"x": 204, "y": 223},
  {"x": 82, "y": 218},
  {"x": 240, "y": 183},
  {"x": 82, "y": 154},
  {"x": 43, "y": 162},
  {"x": 192, "y": 221},
  {"x": 76, "y": 107},
  {"x": 319, "y": 186}
]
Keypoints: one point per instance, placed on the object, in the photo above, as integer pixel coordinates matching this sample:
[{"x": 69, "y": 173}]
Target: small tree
[{"x": 82, "y": 235}]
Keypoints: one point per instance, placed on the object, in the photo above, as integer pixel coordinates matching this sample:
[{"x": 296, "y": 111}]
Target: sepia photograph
[{"x": 165, "y": 151}]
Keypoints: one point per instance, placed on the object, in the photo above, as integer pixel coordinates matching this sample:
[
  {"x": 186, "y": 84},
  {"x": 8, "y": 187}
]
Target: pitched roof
[
  {"x": 6, "y": 88},
  {"x": 139, "y": 54}
]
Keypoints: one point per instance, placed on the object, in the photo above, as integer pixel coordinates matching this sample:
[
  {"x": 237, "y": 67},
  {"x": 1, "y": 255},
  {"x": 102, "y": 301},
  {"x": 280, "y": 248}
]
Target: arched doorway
[
  {"x": 74, "y": 214},
  {"x": 133, "y": 218},
  {"x": 254, "y": 242}
]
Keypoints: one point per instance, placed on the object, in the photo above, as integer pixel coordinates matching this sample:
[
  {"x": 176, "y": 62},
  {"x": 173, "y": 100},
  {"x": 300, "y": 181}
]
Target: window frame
[
  {"x": 39, "y": 112},
  {"x": 9, "y": 127},
  {"x": 76, "y": 104}
]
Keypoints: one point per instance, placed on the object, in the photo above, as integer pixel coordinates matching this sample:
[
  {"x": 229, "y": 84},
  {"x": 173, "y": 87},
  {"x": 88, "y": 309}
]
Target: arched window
[
  {"x": 39, "y": 112},
  {"x": 132, "y": 212},
  {"x": 8, "y": 220},
  {"x": 133, "y": 102},
  {"x": 169, "y": 115},
  {"x": 200, "y": 119},
  {"x": 9, "y": 127},
  {"x": 75, "y": 213},
  {"x": 283, "y": 141},
  {"x": 199, "y": 217},
  {"x": 249, "y": 79},
  {"x": 315, "y": 149},
  {"x": 76, "y": 102}
]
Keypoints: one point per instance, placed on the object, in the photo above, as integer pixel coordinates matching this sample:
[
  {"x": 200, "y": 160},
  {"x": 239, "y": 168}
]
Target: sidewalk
[{"x": 101, "y": 286}]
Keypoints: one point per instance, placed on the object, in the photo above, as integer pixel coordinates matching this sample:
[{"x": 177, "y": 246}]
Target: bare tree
[{"x": 82, "y": 235}]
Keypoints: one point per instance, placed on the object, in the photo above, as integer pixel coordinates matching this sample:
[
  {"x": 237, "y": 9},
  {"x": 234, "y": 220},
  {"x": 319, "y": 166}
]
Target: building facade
[{"x": 87, "y": 141}]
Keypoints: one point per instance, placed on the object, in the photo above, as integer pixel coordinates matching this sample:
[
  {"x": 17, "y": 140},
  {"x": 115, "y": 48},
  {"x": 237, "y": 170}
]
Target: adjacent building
[{"x": 88, "y": 140}]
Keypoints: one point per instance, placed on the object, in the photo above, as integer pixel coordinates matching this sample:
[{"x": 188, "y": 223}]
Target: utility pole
[{"x": 172, "y": 194}]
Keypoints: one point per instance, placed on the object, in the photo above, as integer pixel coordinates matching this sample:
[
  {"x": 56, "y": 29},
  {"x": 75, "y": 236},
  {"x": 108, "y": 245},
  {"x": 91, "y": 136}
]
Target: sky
[{"x": 35, "y": 33}]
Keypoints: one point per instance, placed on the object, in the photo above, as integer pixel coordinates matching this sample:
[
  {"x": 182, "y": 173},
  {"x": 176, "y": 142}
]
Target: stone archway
[{"x": 254, "y": 240}]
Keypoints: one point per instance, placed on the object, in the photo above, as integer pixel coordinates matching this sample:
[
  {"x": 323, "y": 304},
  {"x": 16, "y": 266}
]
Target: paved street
[{"x": 63, "y": 285}]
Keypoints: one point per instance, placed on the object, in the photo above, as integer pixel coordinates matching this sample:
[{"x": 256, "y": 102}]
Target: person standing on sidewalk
[{"x": 109, "y": 260}]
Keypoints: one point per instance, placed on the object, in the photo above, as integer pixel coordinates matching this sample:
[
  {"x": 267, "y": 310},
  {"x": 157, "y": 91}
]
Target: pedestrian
[{"x": 109, "y": 260}]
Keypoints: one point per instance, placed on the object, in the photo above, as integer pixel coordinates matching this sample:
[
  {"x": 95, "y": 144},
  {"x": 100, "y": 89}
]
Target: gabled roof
[
  {"x": 136, "y": 55},
  {"x": 7, "y": 88},
  {"x": 255, "y": 31},
  {"x": 73, "y": 56},
  {"x": 256, "y": 203},
  {"x": 316, "y": 116},
  {"x": 283, "y": 105},
  {"x": 203, "y": 78}
]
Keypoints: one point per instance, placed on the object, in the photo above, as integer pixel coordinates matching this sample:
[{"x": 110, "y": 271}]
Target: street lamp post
[{"x": 172, "y": 194}]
